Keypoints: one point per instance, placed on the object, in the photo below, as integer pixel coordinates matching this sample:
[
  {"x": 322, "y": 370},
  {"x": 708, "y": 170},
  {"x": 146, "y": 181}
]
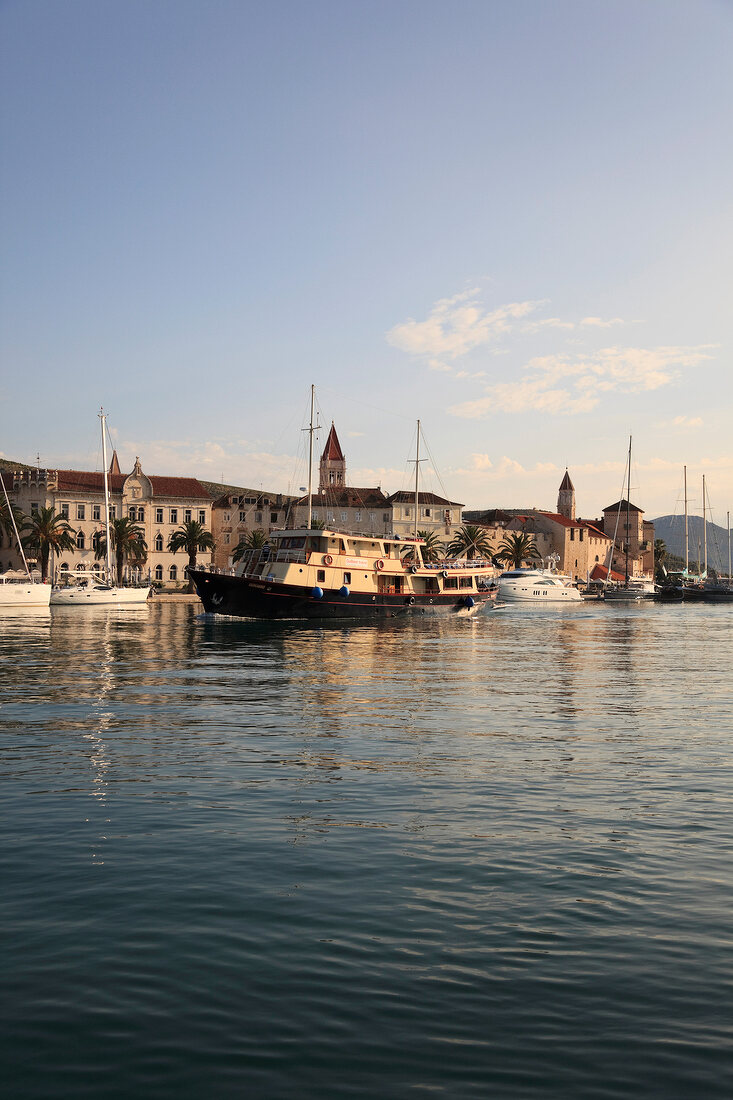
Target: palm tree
[
  {"x": 253, "y": 540},
  {"x": 431, "y": 548},
  {"x": 191, "y": 536},
  {"x": 127, "y": 541},
  {"x": 470, "y": 541},
  {"x": 46, "y": 530},
  {"x": 516, "y": 548},
  {"x": 660, "y": 553}
]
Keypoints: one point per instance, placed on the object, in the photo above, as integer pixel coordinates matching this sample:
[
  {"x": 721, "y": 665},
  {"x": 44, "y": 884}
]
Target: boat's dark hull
[{"x": 250, "y": 598}]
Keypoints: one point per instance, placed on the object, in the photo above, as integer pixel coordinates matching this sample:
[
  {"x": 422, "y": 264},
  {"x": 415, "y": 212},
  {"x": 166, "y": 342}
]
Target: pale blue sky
[{"x": 512, "y": 220}]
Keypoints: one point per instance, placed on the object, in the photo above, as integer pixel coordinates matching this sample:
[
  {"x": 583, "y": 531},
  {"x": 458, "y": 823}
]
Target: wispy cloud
[
  {"x": 456, "y": 326},
  {"x": 686, "y": 422},
  {"x": 598, "y": 322},
  {"x": 571, "y": 384}
]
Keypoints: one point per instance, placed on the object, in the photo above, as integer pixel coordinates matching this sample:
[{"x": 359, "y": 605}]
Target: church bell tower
[{"x": 566, "y": 497}]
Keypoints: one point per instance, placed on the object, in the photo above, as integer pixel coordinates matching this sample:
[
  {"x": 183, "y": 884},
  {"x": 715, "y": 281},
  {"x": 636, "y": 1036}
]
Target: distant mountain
[{"x": 671, "y": 529}]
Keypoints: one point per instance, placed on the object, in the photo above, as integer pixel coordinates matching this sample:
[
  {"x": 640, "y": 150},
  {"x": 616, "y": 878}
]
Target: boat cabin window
[
  {"x": 466, "y": 582},
  {"x": 321, "y": 576},
  {"x": 347, "y": 578},
  {"x": 450, "y": 582}
]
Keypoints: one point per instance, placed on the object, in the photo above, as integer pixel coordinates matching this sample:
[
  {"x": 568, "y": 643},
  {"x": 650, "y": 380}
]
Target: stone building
[
  {"x": 238, "y": 512},
  {"x": 158, "y": 505}
]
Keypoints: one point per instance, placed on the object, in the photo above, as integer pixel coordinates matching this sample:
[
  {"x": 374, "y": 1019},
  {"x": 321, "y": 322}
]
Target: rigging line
[{"x": 365, "y": 404}]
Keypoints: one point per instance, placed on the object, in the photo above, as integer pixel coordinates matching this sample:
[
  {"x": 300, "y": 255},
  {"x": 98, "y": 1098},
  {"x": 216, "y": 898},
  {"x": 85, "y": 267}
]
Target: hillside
[{"x": 671, "y": 529}]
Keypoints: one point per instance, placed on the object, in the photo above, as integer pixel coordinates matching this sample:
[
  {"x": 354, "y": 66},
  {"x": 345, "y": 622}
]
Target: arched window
[
  {"x": 141, "y": 515},
  {"x": 80, "y": 540},
  {"x": 96, "y": 539},
  {"x": 64, "y": 565},
  {"x": 96, "y": 567},
  {"x": 159, "y": 572},
  {"x": 158, "y": 542},
  {"x": 173, "y": 572}
]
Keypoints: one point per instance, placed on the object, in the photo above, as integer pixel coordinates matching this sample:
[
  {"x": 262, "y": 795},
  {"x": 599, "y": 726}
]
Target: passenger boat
[
  {"x": 537, "y": 586},
  {"x": 323, "y": 574},
  {"x": 312, "y": 573}
]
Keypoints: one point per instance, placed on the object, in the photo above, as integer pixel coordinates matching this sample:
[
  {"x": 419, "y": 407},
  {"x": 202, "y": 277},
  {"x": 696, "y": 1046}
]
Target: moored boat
[
  {"x": 325, "y": 574},
  {"x": 537, "y": 586},
  {"x": 20, "y": 590}
]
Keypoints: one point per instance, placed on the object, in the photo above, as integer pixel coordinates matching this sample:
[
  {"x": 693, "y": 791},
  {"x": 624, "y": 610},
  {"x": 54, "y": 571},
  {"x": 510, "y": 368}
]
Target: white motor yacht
[{"x": 537, "y": 586}]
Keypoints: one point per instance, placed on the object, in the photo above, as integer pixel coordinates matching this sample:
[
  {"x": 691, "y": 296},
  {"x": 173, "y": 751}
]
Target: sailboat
[
  {"x": 19, "y": 589},
  {"x": 88, "y": 588},
  {"x": 634, "y": 587},
  {"x": 312, "y": 573}
]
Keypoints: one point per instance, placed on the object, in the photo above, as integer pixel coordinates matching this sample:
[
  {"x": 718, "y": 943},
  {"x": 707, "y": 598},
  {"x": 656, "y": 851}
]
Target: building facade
[{"x": 157, "y": 505}]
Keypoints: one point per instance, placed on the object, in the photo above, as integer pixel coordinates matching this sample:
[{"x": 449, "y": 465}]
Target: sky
[{"x": 511, "y": 220}]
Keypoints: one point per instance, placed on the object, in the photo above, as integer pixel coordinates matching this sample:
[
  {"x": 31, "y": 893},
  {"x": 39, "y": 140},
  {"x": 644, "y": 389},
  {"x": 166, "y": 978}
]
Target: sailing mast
[
  {"x": 313, "y": 428},
  {"x": 11, "y": 513},
  {"x": 704, "y": 532},
  {"x": 628, "y": 518},
  {"x": 687, "y": 540},
  {"x": 728, "y": 524},
  {"x": 108, "y": 547},
  {"x": 417, "y": 482}
]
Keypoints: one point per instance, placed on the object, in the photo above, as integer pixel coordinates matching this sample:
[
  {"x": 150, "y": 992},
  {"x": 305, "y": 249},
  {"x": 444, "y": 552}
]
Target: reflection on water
[{"x": 469, "y": 857}]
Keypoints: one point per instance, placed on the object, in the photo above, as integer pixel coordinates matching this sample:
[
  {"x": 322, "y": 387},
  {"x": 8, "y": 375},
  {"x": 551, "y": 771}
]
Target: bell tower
[
  {"x": 566, "y": 497},
  {"x": 333, "y": 464}
]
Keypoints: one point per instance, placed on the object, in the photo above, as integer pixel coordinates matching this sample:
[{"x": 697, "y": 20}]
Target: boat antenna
[
  {"x": 108, "y": 549},
  {"x": 20, "y": 544},
  {"x": 311, "y": 429}
]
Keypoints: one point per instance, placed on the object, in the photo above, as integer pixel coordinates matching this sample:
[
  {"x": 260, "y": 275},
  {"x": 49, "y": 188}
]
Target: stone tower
[
  {"x": 566, "y": 497},
  {"x": 333, "y": 464}
]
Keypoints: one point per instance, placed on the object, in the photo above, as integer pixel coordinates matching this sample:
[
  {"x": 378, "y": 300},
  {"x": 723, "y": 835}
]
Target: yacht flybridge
[{"x": 320, "y": 574}]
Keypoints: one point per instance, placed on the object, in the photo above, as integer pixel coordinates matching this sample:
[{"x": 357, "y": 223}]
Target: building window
[
  {"x": 314, "y": 515},
  {"x": 64, "y": 511},
  {"x": 426, "y": 512},
  {"x": 580, "y": 536},
  {"x": 186, "y": 515},
  {"x": 273, "y": 517},
  {"x": 226, "y": 540},
  {"x": 80, "y": 540},
  {"x": 242, "y": 517},
  {"x": 80, "y": 511},
  {"x": 34, "y": 508},
  {"x": 158, "y": 542},
  {"x": 258, "y": 517},
  {"x": 132, "y": 513},
  {"x": 202, "y": 549},
  {"x": 358, "y": 517},
  {"x": 159, "y": 572},
  {"x": 385, "y": 517},
  {"x": 371, "y": 517},
  {"x": 96, "y": 511},
  {"x": 329, "y": 517},
  {"x": 96, "y": 540},
  {"x": 141, "y": 515},
  {"x": 406, "y": 512},
  {"x": 113, "y": 511},
  {"x": 572, "y": 534},
  {"x": 344, "y": 517},
  {"x": 159, "y": 517},
  {"x": 202, "y": 515},
  {"x": 250, "y": 500},
  {"x": 174, "y": 515},
  {"x": 173, "y": 572},
  {"x": 64, "y": 567}
]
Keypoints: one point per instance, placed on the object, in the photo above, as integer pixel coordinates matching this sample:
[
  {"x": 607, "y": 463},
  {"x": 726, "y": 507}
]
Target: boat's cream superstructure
[
  {"x": 332, "y": 574},
  {"x": 537, "y": 586}
]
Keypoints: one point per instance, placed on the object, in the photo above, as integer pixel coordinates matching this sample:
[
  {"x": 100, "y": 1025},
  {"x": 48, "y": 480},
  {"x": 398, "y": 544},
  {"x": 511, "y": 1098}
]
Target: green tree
[
  {"x": 44, "y": 531},
  {"x": 253, "y": 540},
  {"x": 191, "y": 536},
  {"x": 470, "y": 541},
  {"x": 517, "y": 548},
  {"x": 431, "y": 548},
  {"x": 660, "y": 554},
  {"x": 126, "y": 541}
]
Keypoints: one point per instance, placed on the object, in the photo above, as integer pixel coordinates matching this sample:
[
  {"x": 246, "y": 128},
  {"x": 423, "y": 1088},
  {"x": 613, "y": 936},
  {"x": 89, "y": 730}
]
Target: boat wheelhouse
[{"x": 324, "y": 574}]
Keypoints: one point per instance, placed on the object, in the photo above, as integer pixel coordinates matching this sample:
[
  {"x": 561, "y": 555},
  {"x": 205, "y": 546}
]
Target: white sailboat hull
[
  {"x": 96, "y": 595},
  {"x": 24, "y": 594}
]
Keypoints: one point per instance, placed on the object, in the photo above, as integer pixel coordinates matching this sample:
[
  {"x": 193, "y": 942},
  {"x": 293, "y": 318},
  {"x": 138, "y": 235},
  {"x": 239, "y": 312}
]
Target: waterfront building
[
  {"x": 239, "y": 512},
  {"x": 157, "y": 504}
]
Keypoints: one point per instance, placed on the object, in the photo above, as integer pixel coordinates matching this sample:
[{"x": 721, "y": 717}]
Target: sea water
[{"x": 473, "y": 857}]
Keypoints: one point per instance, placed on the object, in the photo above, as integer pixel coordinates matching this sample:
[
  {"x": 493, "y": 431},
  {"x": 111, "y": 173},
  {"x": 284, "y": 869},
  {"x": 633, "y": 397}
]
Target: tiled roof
[
  {"x": 556, "y": 517},
  {"x": 405, "y": 497},
  {"x": 348, "y": 497},
  {"x": 74, "y": 481},
  {"x": 620, "y": 506},
  {"x": 332, "y": 451},
  {"x": 595, "y": 531},
  {"x": 599, "y": 572}
]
